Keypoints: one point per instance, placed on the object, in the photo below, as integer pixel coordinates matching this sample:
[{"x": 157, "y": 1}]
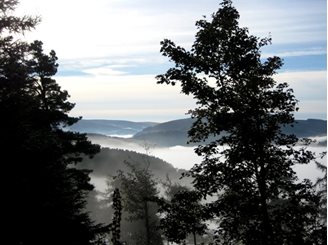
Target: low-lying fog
[{"x": 184, "y": 157}]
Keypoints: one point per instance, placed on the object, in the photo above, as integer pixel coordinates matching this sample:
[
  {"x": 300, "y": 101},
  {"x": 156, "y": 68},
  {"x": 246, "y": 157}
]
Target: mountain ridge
[
  {"x": 175, "y": 132},
  {"x": 109, "y": 127}
]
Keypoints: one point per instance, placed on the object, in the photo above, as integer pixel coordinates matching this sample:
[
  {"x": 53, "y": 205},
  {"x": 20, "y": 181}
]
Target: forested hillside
[
  {"x": 176, "y": 132},
  {"x": 109, "y": 161}
]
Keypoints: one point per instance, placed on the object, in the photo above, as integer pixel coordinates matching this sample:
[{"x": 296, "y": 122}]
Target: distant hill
[
  {"x": 308, "y": 128},
  {"x": 106, "y": 164},
  {"x": 109, "y": 161},
  {"x": 167, "y": 134},
  {"x": 176, "y": 132},
  {"x": 110, "y": 127}
]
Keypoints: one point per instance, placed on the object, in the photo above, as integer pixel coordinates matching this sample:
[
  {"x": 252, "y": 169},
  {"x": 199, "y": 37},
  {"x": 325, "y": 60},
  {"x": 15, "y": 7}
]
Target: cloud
[
  {"x": 128, "y": 97},
  {"x": 288, "y": 21},
  {"x": 294, "y": 53},
  {"x": 306, "y": 84},
  {"x": 310, "y": 88},
  {"x": 105, "y": 71},
  {"x": 81, "y": 30},
  {"x": 138, "y": 97},
  {"x": 109, "y": 49}
]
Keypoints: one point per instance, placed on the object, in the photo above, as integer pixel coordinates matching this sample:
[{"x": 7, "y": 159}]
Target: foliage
[
  {"x": 260, "y": 200},
  {"x": 110, "y": 160},
  {"x": 321, "y": 183},
  {"x": 45, "y": 193},
  {"x": 183, "y": 214},
  {"x": 138, "y": 190},
  {"x": 116, "y": 222}
]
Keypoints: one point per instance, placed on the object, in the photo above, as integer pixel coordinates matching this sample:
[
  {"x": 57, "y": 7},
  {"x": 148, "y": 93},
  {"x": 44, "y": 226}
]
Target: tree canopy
[
  {"x": 139, "y": 193},
  {"x": 250, "y": 167},
  {"x": 183, "y": 214},
  {"x": 44, "y": 192}
]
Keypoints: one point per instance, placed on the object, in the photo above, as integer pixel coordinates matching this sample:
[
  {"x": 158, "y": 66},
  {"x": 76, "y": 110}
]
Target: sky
[{"x": 109, "y": 51}]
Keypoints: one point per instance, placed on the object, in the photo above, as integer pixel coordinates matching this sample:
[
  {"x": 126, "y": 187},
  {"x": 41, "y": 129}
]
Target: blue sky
[{"x": 109, "y": 50}]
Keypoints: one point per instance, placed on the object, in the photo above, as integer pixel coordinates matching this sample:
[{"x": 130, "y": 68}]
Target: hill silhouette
[
  {"x": 109, "y": 161},
  {"x": 176, "y": 132},
  {"x": 110, "y": 127}
]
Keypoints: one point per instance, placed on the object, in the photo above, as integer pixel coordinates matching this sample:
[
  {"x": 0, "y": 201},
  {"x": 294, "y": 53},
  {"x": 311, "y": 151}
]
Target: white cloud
[
  {"x": 82, "y": 29},
  {"x": 293, "y": 21},
  {"x": 104, "y": 71},
  {"x": 125, "y": 97},
  {"x": 138, "y": 97},
  {"x": 102, "y": 37},
  {"x": 310, "y": 88},
  {"x": 293, "y": 53},
  {"x": 306, "y": 84}
]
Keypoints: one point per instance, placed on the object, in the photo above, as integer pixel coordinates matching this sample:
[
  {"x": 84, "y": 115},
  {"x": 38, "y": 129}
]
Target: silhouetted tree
[
  {"x": 116, "y": 221},
  {"x": 45, "y": 193},
  {"x": 183, "y": 214},
  {"x": 321, "y": 183},
  {"x": 139, "y": 192},
  {"x": 260, "y": 200}
]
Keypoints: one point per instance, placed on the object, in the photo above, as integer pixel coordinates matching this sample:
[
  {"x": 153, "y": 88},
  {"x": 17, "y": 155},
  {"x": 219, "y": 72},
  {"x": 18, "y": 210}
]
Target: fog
[
  {"x": 100, "y": 184},
  {"x": 184, "y": 158},
  {"x": 179, "y": 156}
]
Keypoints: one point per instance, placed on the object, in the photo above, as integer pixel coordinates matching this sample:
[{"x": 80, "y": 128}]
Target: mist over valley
[{"x": 164, "y": 146}]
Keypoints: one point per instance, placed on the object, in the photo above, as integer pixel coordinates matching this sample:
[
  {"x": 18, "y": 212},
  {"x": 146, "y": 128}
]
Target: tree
[
  {"x": 321, "y": 183},
  {"x": 116, "y": 222},
  {"x": 183, "y": 214},
  {"x": 139, "y": 193},
  {"x": 45, "y": 194},
  {"x": 249, "y": 162}
]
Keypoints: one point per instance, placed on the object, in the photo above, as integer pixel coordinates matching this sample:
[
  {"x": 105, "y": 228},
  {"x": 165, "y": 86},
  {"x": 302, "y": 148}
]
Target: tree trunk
[
  {"x": 267, "y": 230},
  {"x": 194, "y": 234},
  {"x": 147, "y": 222}
]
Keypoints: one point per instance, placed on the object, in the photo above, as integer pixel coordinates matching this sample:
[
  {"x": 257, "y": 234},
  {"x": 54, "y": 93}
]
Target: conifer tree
[{"x": 45, "y": 193}]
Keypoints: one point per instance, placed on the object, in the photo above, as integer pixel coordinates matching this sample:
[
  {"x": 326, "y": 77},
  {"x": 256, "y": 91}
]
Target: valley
[{"x": 164, "y": 146}]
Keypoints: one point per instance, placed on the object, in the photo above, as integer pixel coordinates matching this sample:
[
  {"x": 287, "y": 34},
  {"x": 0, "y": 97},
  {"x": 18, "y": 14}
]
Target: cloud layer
[{"x": 109, "y": 50}]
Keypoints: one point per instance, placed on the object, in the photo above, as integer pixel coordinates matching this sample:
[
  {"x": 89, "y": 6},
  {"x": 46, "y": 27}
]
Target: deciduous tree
[{"x": 249, "y": 165}]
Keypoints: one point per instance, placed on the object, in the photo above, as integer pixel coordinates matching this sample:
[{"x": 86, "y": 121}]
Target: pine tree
[{"x": 45, "y": 193}]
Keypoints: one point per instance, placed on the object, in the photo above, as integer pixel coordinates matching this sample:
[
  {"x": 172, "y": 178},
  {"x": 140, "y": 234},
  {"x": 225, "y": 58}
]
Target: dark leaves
[{"x": 241, "y": 111}]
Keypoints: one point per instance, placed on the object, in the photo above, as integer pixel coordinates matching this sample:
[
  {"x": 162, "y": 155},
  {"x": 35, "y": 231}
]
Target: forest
[{"x": 243, "y": 192}]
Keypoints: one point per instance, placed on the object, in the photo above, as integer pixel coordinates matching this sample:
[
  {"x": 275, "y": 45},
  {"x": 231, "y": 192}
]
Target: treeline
[
  {"x": 142, "y": 208},
  {"x": 108, "y": 161},
  {"x": 143, "y": 182}
]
